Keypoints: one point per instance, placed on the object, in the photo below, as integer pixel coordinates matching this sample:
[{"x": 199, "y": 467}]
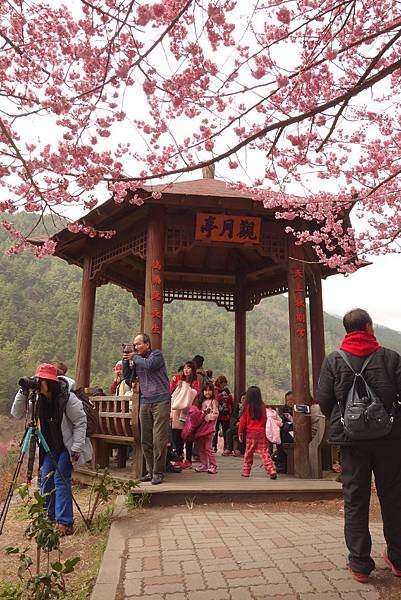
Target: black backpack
[
  {"x": 92, "y": 419},
  {"x": 365, "y": 417}
]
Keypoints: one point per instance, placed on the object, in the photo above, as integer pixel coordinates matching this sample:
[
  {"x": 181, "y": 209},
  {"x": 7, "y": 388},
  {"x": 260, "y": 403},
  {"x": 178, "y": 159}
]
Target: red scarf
[{"x": 360, "y": 343}]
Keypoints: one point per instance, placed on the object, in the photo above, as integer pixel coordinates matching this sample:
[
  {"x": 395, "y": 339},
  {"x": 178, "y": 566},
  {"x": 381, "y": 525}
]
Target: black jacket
[{"x": 383, "y": 375}]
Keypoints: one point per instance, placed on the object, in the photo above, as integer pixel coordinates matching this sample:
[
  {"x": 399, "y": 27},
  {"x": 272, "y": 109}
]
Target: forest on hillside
[{"x": 39, "y": 304}]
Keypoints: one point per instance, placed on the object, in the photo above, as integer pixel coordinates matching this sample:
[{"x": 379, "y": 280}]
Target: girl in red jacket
[
  {"x": 253, "y": 420},
  {"x": 226, "y": 405}
]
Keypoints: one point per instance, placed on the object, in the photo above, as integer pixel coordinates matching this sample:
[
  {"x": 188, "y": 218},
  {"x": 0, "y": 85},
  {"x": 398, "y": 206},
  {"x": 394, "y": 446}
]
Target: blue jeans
[{"x": 59, "y": 503}]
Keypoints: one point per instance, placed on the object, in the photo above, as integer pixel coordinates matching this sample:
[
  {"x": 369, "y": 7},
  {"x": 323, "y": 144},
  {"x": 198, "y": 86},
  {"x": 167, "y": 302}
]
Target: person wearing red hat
[{"x": 63, "y": 424}]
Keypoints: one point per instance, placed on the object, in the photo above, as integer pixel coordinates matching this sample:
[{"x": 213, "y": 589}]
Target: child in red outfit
[{"x": 253, "y": 419}]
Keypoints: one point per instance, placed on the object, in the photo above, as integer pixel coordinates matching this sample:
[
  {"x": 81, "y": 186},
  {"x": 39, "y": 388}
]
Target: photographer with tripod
[{"x": 49, "y": 399}]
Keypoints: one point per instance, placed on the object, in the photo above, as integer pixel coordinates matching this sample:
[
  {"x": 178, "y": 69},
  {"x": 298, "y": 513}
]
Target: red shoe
[
  {"x": 226, "y": 453},
  {"x": 186, "y": 464},
  {"x": 245, "y": 474},
  {"x": 359, "y": 577},
  {"x": 394, "y": 569}
]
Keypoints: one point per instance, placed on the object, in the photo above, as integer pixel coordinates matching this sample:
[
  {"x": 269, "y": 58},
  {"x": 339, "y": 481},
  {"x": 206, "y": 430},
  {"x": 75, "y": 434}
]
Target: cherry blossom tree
[{"x": 297, "y": 101}]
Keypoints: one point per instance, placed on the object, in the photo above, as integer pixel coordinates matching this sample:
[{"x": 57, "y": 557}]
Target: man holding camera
[{"x": 140, "y": 361}]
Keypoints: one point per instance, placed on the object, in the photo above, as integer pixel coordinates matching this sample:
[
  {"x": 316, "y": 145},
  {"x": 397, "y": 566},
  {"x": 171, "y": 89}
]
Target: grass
[{"x": 138, "y": 500}]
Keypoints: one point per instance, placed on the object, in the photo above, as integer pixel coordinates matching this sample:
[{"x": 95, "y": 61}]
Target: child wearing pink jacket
[{"x": 207, "y": 403}]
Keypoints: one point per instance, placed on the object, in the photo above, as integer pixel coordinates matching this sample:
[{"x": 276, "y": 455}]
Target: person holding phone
[{"x": 140, "y": 361}]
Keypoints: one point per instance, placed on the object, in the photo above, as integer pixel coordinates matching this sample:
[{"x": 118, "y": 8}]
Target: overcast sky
[{"x": 376, "y": 288}]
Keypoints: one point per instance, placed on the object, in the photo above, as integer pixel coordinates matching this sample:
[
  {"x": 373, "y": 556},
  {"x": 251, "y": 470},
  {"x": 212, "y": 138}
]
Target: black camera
[
  {"x": 28, "y": 384},
  {"x": 128, "y": 347}
]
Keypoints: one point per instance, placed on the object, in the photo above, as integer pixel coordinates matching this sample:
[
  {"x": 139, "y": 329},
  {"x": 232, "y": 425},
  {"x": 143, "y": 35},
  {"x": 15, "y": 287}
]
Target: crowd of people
[{"x": 183, "y": 418}]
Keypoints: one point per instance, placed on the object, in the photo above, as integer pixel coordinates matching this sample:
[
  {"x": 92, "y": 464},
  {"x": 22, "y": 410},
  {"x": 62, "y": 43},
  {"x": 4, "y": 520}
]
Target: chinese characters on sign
[
  {"x": 156, "y": 296},
  {"x": 237, "y": 229},
  {"x": 299, "y": 315}
]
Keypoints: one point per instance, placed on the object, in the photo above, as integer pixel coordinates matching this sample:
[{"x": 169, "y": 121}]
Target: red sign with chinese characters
[
  {"x": 236, "y": 229},
  {"x": 156, "y": 296},
  {"x": 300, "y": 316}
]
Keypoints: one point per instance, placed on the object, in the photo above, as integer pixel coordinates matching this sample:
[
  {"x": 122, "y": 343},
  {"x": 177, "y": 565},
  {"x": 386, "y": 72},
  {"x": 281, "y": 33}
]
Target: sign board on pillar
[{"x": 238, "y": 229}]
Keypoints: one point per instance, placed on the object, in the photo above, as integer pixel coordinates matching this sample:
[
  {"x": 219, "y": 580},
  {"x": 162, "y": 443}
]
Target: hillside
[{"x": 39, "y": 313}]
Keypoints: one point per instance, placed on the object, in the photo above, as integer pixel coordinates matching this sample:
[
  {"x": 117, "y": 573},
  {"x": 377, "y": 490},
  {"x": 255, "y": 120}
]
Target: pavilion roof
[{"x": 193, "y": 270}]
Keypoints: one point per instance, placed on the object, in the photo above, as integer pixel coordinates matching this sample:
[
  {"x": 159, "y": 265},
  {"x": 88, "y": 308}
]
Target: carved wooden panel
[
  {"x": 255, "y": 295},
  {"x": 221, "y": 298},
  {"x": 135, "y": 246},
  {"x": 273, "y": 245},
  {"x": 179, "y": 238}
]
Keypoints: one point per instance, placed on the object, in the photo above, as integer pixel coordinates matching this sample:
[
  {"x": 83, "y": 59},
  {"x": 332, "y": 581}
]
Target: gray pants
[{"x": 155, "y": 421}]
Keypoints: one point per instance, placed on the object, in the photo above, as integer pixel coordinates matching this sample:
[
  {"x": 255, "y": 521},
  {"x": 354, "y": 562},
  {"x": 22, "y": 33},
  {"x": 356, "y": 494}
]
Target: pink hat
[
  {"x": 46, "y": 371},
  {"x": 118, "y": 364}
]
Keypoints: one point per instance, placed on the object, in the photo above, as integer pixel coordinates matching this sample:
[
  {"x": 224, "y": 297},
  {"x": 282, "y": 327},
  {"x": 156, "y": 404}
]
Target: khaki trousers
[{"x": 155, "y": 421}]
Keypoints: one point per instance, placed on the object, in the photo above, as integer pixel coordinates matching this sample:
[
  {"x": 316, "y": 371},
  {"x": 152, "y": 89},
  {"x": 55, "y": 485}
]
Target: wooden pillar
[
  {"x": 240, "y": 342},
  {"x": 154, "y": 276},
  {"x": 142, "y": 317},
  {"x": 316, "y": 323},
  {"x": 299, "y": 357},
  {"x": 85, "y": 326}
]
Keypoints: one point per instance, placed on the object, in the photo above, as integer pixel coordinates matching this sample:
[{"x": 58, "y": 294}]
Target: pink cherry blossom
[{"x": 103, "y": 97}]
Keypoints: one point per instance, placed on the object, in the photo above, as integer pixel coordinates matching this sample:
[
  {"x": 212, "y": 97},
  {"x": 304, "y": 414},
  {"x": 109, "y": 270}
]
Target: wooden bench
[
  {"x": 118, "y": 427},
  {"x": 320, "y": 453}
]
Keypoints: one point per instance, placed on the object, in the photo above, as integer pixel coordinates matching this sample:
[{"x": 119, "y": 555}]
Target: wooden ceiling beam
[
  {"x": 269, "y": 272},
  {"x": 199, "y": 277}
]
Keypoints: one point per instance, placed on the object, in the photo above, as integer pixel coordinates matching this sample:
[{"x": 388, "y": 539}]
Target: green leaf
[{"x": 69, "y": 564}]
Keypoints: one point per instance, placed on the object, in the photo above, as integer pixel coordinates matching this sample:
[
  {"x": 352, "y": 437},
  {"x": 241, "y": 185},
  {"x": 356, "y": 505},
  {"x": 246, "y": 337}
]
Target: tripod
[{"x": 32, "y": 438}]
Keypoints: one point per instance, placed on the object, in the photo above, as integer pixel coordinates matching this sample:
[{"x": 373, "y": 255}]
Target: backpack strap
[
  {"x": 359, "y": 374},
  {"x": 346, "y": 360},
  {"x": 356, "y": 374}
]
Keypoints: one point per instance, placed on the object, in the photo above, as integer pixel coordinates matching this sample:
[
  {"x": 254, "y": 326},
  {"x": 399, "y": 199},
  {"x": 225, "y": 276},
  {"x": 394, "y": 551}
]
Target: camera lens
[{"x": 29, "y": 383}]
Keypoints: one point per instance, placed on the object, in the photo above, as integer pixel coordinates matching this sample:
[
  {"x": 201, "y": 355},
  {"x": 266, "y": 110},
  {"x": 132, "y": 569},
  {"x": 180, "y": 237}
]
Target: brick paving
[{"x": 238, "y": 554}]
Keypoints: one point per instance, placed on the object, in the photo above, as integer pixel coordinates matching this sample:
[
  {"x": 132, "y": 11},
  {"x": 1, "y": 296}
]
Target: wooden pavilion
[{"x": 203, "y": 241}]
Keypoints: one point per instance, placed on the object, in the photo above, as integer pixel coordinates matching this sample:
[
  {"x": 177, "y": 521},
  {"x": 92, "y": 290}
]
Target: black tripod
[{"x": 32, "y": 439}]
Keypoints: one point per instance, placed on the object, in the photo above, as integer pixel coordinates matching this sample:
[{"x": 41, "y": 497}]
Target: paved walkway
[{"x": 184, "y": 553}]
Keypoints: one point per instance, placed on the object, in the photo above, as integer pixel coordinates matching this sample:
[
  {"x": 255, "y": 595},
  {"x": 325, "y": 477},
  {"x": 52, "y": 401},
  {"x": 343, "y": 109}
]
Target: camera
[
  {"x": 128, "y": 347},
  {"x": 29, "y": 384},
  {"x": 302, "y": 408}
]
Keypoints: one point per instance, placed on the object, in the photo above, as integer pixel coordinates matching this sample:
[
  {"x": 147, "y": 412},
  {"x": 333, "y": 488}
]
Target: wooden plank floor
[{"x": 228, "y": 484}]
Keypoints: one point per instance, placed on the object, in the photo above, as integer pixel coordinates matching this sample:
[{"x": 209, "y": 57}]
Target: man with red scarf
[{"x": 360, "y": 458}]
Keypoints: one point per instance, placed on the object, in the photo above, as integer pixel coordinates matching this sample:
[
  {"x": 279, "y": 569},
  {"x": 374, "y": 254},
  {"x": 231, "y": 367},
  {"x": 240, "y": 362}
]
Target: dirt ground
[{"x": 88, "y": 546}]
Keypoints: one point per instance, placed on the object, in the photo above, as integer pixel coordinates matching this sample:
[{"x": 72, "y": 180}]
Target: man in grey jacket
[{"x": 154, "y": 414}]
